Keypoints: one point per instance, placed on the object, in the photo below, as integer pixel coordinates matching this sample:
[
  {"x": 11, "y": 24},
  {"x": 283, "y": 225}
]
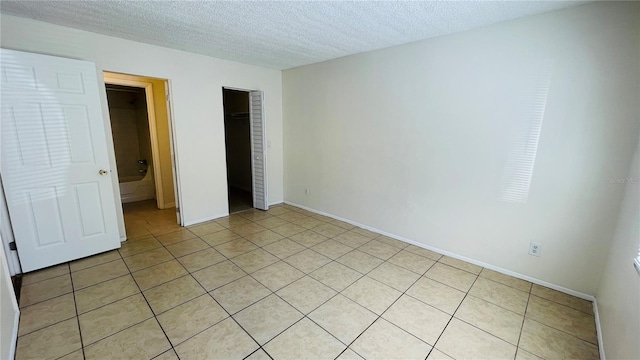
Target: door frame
[
  {"x": 264, "y": 145},
  {"x": 113, "y": 78}
]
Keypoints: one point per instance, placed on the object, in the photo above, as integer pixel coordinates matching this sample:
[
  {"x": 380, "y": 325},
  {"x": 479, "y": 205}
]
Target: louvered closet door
[{"x": 258, "y": 150}]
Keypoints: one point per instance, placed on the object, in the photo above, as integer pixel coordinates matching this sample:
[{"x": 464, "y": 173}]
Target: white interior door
[
  {"x": 9, "y": 311},
  {"x": 55, "y": 168},
  {"x": 258, "y": 149}
]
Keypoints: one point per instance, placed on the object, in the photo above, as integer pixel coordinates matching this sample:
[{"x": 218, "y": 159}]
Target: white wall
[
  {"x": 414, "y": 139},
  {"x": 619, "y": 292},
  {"x": 196, "y": 86}
]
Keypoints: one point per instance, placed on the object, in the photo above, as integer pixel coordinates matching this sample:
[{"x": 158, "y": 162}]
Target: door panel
[
  {"x": 258, "y": 150},
  {"x": 53, "y": 148}
]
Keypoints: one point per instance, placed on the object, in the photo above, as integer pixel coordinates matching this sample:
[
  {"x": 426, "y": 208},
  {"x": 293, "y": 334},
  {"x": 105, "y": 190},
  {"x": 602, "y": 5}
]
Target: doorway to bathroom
[
  {"x": 245, "y": 149},
  {"x": 142, "y": 140}
]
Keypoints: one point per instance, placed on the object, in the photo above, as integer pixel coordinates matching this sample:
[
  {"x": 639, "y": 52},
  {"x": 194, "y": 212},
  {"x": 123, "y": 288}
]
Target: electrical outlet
[
  {"x": 307, "y": 191},
  {"x": 535, "y": 248}
]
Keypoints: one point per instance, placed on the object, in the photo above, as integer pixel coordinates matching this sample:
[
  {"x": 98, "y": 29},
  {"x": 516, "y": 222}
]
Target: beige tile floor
[{"x": 288, "y": 284}]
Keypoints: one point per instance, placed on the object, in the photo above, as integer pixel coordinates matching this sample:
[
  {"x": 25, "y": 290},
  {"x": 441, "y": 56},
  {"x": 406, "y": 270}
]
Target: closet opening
[{"x": 237, "y": 129}]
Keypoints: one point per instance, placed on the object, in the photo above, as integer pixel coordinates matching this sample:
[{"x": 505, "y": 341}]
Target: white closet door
[
  {"x": 258, "y": 149},
  {"x": 55, "y": 168}
]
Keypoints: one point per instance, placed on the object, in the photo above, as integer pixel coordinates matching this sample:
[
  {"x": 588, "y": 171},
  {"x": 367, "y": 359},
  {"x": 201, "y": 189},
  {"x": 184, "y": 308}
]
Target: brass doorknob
[{"x": 103, "y": 172}]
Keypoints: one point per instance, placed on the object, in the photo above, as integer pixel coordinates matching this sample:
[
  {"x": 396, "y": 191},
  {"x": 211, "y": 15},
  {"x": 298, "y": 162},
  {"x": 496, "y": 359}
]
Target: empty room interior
[{"x": 320, "y": 180}]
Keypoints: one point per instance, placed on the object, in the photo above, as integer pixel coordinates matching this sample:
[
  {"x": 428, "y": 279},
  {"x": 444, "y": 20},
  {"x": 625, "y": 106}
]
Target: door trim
[{"x": 151, "y": 118}]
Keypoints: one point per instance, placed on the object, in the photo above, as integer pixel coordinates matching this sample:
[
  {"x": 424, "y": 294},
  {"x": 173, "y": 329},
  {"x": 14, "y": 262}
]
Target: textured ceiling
[{"x": 273, "y": 34}]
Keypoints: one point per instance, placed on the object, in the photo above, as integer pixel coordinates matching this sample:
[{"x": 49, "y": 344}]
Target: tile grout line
[
  {"x": 524, "y": 317},
  {"x": 149, "y": 306},
  {"x": 452, "y": 316},
  {"x": 383, "y": 312}
]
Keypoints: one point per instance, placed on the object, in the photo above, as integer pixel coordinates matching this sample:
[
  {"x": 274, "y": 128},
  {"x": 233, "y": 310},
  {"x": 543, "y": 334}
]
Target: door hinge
[{"x": 12, "y": 246}]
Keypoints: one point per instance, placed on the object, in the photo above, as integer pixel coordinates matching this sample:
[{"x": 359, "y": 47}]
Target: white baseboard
[
  {"x": 598, "y": 329},
  {"x": 198, "y": 221},
  {"x": 453, "y": 255}
]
